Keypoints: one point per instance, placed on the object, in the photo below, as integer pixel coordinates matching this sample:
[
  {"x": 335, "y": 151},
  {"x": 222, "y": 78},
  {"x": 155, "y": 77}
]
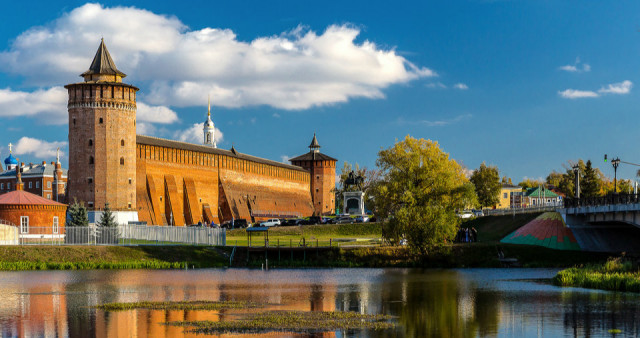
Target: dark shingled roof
[
  {"x": 312, "y": 156},
  {"x": 159, "y": 142},
  {"x": 103, "y": 63},
  {"x": 314, "y": 142}
]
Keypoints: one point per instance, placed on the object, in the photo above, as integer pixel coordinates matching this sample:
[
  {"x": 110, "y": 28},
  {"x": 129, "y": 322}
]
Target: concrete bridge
[{"x": 609, "y": 223}]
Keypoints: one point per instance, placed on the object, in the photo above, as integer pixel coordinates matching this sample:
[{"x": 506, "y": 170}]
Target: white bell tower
[{"x": 209, "y": 129}]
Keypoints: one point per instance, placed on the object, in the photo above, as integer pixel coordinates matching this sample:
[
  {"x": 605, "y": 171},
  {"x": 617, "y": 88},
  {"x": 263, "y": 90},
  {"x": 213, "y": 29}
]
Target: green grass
[
  {"x": 312, "y": 234},
  {"x": 495, "y": 228},
  {"x": 292, "y": 321},
  {"x": 41, "y": 257},
  {"x": 614, "y": 275},
  {"x": 180, "y": 305}
]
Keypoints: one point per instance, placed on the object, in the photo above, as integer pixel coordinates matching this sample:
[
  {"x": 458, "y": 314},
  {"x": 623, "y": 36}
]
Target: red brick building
[
  {"x": 167, "y": 182},
  {"x": 32, "y": 214},
  {"x": 45, "y": 180}
]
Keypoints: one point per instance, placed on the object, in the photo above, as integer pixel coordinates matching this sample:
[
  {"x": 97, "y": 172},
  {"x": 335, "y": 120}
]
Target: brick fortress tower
[
  {"x": 322, "y": 171},
  {"x": 102, "y": 140}
]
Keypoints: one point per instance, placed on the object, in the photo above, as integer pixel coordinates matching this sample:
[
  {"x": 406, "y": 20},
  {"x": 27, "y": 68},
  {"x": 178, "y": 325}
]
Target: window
[
  {"x": 90, "y": 159},
  {"x": 90, "y": 180},
  {"x": 38, "y": 185},
  {"x": 129, "y": 205},
  {"x": 317, "y": 189},
  {"x": 8, "y": 186},
  {"x": 55, "y": 224},
  {"x": 1, "y": 186},
  {"x": 30, "y": 185},
  {"x": 49, "y": 185},
  {"x": 74, "y": 121},
  {"x": 48, "y": 196},
  {"x": 130, "y": 180},
  {"x": 90, "y": 143},
  {"x": 101, "y": 120},
  {"x": 317, "y": 177},
  {"x": 121, "y": 160},
  {"x": 122, "y": 143},
  {"x": 24, "y": 224},
  {"x": 504, "y": 195},
  {"x": 90, "y": 204}
]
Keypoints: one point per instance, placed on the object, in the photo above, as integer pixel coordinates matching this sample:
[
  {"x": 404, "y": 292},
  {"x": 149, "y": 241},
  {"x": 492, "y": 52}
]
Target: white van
[{"x": 270, "y": 223}]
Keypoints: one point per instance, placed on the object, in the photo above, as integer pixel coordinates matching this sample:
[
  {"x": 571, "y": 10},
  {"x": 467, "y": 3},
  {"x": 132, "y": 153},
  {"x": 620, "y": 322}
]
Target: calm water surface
[{"x": 427, "y": 303}]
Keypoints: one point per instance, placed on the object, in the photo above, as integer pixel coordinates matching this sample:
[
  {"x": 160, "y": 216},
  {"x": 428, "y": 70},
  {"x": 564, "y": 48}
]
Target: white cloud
[
  {"x": 47, "y": 105},
  {"x": 439, "y": 85},
  {"x": 619, "y": 88},
  {"x": 460, "y": 86},
  {"x": 577, "y": 94},
  {"x": 38, "y": 148},
  {"x": 294, "y": 70},
  {"x": 576, "y": 67},
  {"x": 437, "y": 123},
  {"x": 194, "y": 134},
  {"x": 623, "y": 87},
  {"x": 285, "y": 159},
  {"x": 155, "y": 114}
]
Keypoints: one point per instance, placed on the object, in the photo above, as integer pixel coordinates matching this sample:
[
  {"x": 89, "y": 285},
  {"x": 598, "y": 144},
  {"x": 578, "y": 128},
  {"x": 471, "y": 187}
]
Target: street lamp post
[
  {"x": 576, "y": 173},
  {"x": 615, "y": 162}
]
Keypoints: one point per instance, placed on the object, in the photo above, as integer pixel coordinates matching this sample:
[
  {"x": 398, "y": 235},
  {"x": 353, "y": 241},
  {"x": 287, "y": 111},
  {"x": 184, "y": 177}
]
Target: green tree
[
  {"x": 107, "y": 219},
  {"x": 591, "y": 182},
  {"x": 486, "y": 181},
  {"x": 418, "y": 192},
  {"x": 529, "y": 183},
  {"x": 506, "y": 180},
  {"x": 77, "y": 215}
]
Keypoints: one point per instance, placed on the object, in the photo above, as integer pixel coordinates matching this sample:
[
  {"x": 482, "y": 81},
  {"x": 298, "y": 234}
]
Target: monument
[{"x": 353, "y": 200}]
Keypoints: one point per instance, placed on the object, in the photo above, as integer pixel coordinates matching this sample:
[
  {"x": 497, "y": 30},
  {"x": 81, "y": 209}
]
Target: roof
[
  {"x": 313, "y": 156},
  {"x": 21, "y": 197},
  {"x": 160, "y": 142},
  {"x": 538, "y": 192},
  {"x": 38, "y": 170},
  {"x": 10, "y": 160},
  {"x": 314, "y": 142},
  {"x": 103, "y": 63}
]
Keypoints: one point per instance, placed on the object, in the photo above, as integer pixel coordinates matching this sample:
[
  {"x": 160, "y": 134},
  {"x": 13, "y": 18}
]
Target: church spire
[
  {"x": 103, "y": 69},
  {"x": 314, "y": 146},
  {"x": 209, "y": 128}
]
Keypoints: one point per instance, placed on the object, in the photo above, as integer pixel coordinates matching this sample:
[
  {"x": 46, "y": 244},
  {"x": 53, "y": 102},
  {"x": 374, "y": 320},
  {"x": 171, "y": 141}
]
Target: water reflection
[{"x": 427, "y": 303}]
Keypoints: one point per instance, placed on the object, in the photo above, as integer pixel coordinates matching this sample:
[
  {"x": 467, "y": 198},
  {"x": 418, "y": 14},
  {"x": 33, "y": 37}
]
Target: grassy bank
[
  {"x": 339, "y": 234},
  {"x": 614, "y": 275},
  {"x": 446, "y": 256},
  {"x": 109, "y": 257},
  {"x": 495, "y": 228}
]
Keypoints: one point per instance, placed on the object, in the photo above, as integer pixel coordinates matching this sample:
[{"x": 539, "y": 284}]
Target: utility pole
[
  {"x": 615, "y": 163},
  {"x": 576, "y": 173}
]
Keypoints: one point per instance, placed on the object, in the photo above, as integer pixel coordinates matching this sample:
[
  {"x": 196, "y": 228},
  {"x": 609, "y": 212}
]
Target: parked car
[
  {"x": 326, "y": 220},
  {"x": 235, "y": 224},
  {"x": 315, "y": 220},
  {"x": 362, "y": 219},
  {"x": 270, "y": 223},
  {"x": 343, "y": 219},
  {"x": 465, "y": 214},
  {"x": 477, "y": 213}
]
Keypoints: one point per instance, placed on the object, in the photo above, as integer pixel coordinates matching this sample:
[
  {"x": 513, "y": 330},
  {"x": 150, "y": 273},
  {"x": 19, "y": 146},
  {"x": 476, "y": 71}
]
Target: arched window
[
  {"x": 90, "y": 143},
  {"x": 121, "y": 160},
  {"x": 74, "y": 121},
  {"x": 122, "y": 143},
  {"x": 101, "y": 120},
  {"x": 90, "y": 159}
]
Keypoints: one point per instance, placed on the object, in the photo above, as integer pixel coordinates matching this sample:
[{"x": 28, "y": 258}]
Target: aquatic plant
[
  {"x": 615, "y": 275},
  {"x": 292, "y": 321},
  {"x": 180, "y": 305}
]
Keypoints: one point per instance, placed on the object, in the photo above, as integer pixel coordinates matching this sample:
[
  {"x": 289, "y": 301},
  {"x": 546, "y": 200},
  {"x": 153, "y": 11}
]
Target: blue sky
[{"x": 523, "y": 85}]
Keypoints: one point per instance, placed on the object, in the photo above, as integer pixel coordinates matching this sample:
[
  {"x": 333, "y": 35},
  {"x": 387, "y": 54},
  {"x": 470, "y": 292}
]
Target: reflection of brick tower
[
  {"x": 102, "y": 139},
  {"x": 322, "y": 170}
]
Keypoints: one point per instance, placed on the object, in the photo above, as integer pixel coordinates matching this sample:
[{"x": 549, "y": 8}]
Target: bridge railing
[{"x": 601, "y": 200}]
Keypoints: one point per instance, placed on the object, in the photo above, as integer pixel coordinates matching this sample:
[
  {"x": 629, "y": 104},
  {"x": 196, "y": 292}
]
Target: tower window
[
  {"x": 122, "y": 143},
  {"x": 90, "y": 180},
  {"x": 90, "y": 159},
  {"x": 74, "y": 121},
  {"x": 130, "y": 181},
  {"x": 101, "y": 120},
  {"x": 121, "y": 160},
  {"x": 90, "y": 142}
]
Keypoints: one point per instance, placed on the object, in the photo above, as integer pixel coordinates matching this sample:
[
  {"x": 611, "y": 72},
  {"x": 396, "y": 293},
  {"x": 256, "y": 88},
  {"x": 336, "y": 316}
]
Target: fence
[
  {"x": 120, "y": 235},
  {"x": 602, "y": 200},
  {"x": 511, "y": 211}
]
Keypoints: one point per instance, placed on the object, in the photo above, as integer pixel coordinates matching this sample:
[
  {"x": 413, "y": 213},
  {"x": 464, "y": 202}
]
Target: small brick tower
[
  {"x": 102, "y": 139},
  {"x": 322, "y": 170}
]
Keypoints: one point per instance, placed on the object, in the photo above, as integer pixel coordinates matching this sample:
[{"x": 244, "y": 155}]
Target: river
[{"x": 427, "y": 303}]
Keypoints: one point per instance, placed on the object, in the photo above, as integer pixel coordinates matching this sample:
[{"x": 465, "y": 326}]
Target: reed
[
  {"x": 616, "y": 274},
  {"x": 180, "y": 305}
]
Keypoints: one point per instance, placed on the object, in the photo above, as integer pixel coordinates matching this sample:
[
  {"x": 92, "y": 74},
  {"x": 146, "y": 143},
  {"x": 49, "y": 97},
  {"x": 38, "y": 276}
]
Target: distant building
[
  {"x": 540, "y": 197},
  {"x": 45, "y": 180},
  {"x": 510, "y": 196}
]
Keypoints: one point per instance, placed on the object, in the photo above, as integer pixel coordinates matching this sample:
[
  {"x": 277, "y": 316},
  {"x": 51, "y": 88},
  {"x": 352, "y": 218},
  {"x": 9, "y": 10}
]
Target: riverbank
[
  {"x": 614, "y": 275},
  {"x": 42, "y": 257}
]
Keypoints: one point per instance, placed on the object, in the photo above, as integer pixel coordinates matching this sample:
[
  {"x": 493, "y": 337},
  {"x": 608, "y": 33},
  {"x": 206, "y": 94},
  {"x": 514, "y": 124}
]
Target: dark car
[
  {"x": 315, "y": 220},
  {"x": 343, "y": 219},
  {"x": 235, "y": 224}
]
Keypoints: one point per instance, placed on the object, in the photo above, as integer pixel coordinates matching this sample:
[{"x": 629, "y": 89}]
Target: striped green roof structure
[
  {"x": 540, "y": 192},
  {"x": 547, "y": 230}
]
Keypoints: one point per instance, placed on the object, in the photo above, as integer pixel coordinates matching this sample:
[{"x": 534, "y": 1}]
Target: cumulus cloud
[
  {"x": 155, "y": 114},
  {"x": 436, "y": 85},
  {"x": 285, "y": 159},
  {"x": 48, "y": 105},
  {"x": 577, "y": 94},
  {"x": 194, "y": 134},
  {"x": 38, "y": 148},
  {"x": 460, "y": 86},
  {"x": 619, "y": 88},
  {"x": 576, "y": 67},
  {"x": 294, "y": 70}
]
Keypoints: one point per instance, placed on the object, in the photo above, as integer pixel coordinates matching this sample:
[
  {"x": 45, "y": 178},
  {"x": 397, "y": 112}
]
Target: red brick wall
[{"x": 39, "y": 216}]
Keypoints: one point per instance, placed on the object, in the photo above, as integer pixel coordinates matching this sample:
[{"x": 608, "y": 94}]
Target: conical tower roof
[
  {"x": 103, "y": 63},
  {"x": 314, "y": 143}
]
